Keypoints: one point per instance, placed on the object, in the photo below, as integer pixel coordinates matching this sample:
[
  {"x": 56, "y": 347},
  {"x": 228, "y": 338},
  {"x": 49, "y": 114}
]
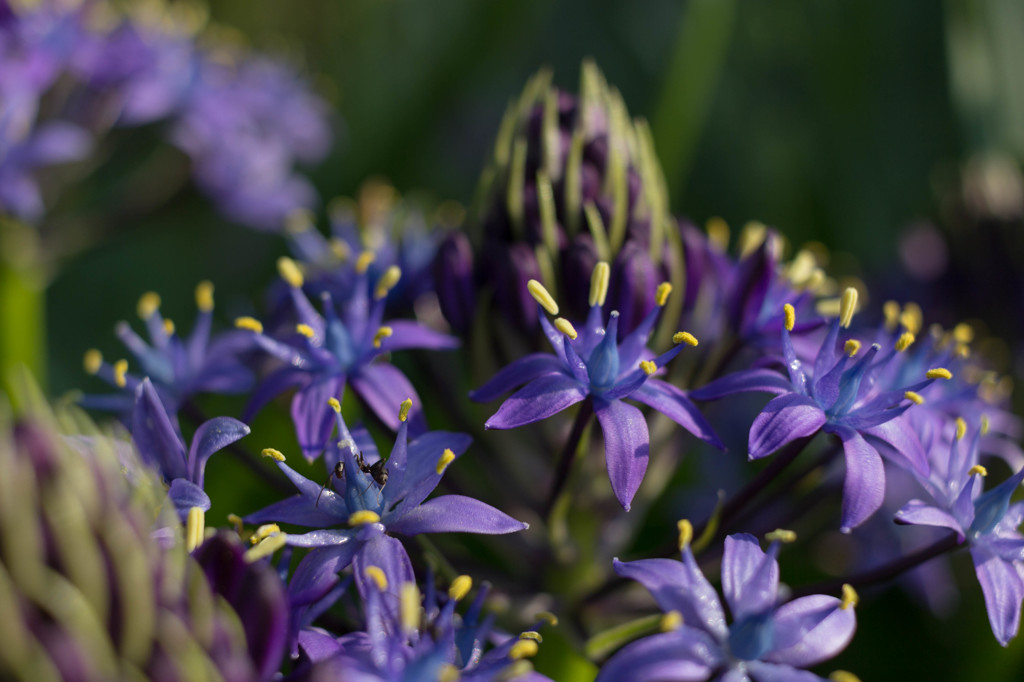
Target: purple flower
[
  {"x": 766, "y": 641},
  {"x": 595, "y": 364},
  {"x": 323, "y": 353}
]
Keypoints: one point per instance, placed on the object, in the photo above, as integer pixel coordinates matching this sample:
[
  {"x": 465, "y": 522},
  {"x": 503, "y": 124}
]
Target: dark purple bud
[
  {"x": 634, "y": 281},
  {"x": 578, "y": 264},
  {"x": 509, "y": 269},
  {"x": 453, "y": 276}
]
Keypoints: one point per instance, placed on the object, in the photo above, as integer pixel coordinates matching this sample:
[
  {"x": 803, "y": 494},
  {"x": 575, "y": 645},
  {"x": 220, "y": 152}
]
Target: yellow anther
[
  {"x": 985, "y": 424},
  {"x": 264, "y": 532},
  {"x": 551, "y": 618},
  {"x": 149, "y": 303},
  {"x": 672, "y": 620},
  {"x": 289, "y": 271},
  {"x": 718, "y": 233},
  {"x": 684, "y": 337},
  {"x": 363, "y": 517},
  {"x": 335, "y": 404},
  {"x": 685, "y": 533},
  {"x": 847, "y": 307},
  {"x": 852, "y": 347},
  {"x": 376, "y": 574},
  {"x": 850, "y": 597},
  {"x": 305, "y": 330},
  {"x": 751, "y": 237},
  {"x": 599, "y": 283},
  {"x": 513, "y": 671},
  {"x": 977, "y": 469},
  {"x": 962, "y": 350},
  {"x": 250, "y": 323},
  {"x": 843, "y": 676},
  {"x": 382, "y": 333},
  {"x": 912, "y": 318},
  {"x": 339, "y": 249},
  {"x": 914, "y": 397},
  {"x": 168, "y": 326},
  {"x": 409, "y": 607},
  {"x": 790, "y": 312},
  {"x": 648, "y": 367},
  {"x": 802, "y": 268},
  {"x": 782, "y": 535},
  {"x": 204, "y": 296},
  {"x": 961, "y": 428},
  {"x": 460, "y": 587},
  {"x": 939, "y": 373},
  {"x": 403, "y": 409},
  {"x": 963, "y": 333},
  {"x": 542, "y": 296},
  {"x": 446, "y": 458},
  {"x": 532, "y": 634},
  {"x": 524, "y": 648},
  {"x": 661, "y": 295},
  {"x": 891, "y": 312},
  {"x": 388, "y": 281},
  {"x": 273, "y": 454},
  {"x": 236, "y": 521},
  {"x": 903, "y": 343},
  {"x": 120, "y": 372},
  {"x": 565, "y": 326},
  {"x": 298, "y": 221},
  {"x": 92, "y": 361},
  {"x": 195, "y": 528},
  {"x": 364, "y": 260},
  {"x": 266, "y": 547},
  {"x": 448, "y": 673}
]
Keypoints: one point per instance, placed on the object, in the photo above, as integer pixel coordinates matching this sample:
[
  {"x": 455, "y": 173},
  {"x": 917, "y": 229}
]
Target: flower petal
[
  {"x": 303, "y": 511},
  {"x": 784, "y": 419},
  {"x": 185, "y": 495},
  {"x": 455, "y": 514},
  {"x": 760, "y": 380},
  {"x": 864, "y": 486},
  {"x": 420, "y": 476},
  {"x": 773, "y": 672},
  {"x": 154, "y": 435},
  {"x": 211, "y": 436},
  {"x": 517, "y": 373},
  {"x": 673, "y": 403},
  {"x": 383, "y": 388},
  {"x": 1003, "y": 590},
  {"x": 682, "y": 655},
  {"x": 750, "y": 576},
  {"x": 900, "y": 444},
  {"x": 679, "y": 586},
  {"x": 810, "y": 630},
  {"x": 626, "y": 446},
  {"x": 539, "y": 399},
  {"x": 312, "y": 416},
  {"x": 408, "y": 334},
  {"x": 918, "y": 513},
  {"x": 318, "y": 571}
]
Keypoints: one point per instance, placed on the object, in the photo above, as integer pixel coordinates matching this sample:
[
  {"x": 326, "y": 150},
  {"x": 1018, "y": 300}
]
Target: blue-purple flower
[
  {"x": 594, "y": 363},
  {"x": 767, "y": 641}
]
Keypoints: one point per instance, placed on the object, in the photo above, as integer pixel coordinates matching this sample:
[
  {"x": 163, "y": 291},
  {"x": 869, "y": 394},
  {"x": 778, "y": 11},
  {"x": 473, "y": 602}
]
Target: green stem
[{"x": 22, "y": 301}]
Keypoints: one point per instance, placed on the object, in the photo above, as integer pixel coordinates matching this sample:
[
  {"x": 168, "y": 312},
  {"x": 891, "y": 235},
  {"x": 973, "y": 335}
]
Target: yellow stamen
[
  {"x": 962, "y": 350},
  {"x": 250, "y": 323},
  {"x": 339, "y": 249},
  {"x": 273, "y": 454},
  {"x": 985, "y": 424},
  {"x": 843, "y": 676},
  {"x": 532, "y": 634},
  {"x": 149, "y": 303},
  {"x": 195, "y": 528},
  {"x": 120, "y": 370},
  {"x": 513, "y": 671},
  {"x": 912, "y": 318},
  {"x": 684, "y": 337},
  {"x": 542, "y": 296},
  {"x": 782, "y": 535},
  {"x": 961, "y": 428},
  {"x": 903, "y": 343},
  {"x": 92, "y": 361},
  {"x": 290, "y": 272},
  {"x": 264, "y": 532},
  {"x": 718, "y": 233},
  {"x": 364, "y": 260},
  {"x": 168, "y": 326},
  {"x": 524, "y": 648},
  {"x": 565, "y": 326},
  {"x": 236, "y": 521},
  {"x": 448, "y": 673},
  {"x": 460, "y": 587},
  {"x": 751, "y": 237},
  {"x": 891, "y": 311},
  {"x": 847, "y": 307},
  {"x": 266, "y": 547},
  {"x": 375, "y": 574},
  {"x": 648, "y": 367},
  {"x": 204, "y": 296},
  {"x": 382, "y": 333},
  {"x": 661, "y": 295},
  {"x": 362, "y": 517},
  {"x": 685, "y": 533},
  {"x": 409, "y": 607},
  {"x": 673, "y": 620},
  {"x": 388, "y": 281},
  {"x": 305, "y": 330},
  {"x": 446, "y": 458},
  {"x": 403, "y": 409},
  {"x": 790, "y": 312},
  {"x": 963, "y": 333},
  {"x": 939, "y": 373},
  {"x": 599, "y": 283},
  {"x": 335, "y": 404},
  {"x": 914, "y": 397},
  {"x": 850, "y": 597},
  {"x": 977, "y": 469},
  {"x": 551, "y": 618},
  {"x": 852, "y": 347}
]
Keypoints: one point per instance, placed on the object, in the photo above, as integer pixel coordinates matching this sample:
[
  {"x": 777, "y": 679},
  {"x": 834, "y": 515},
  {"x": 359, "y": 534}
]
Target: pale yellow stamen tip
[
  {"x": 168, "y": 326},
  {"x": 790, "y": 312},
  {"x": 684, "y": 337},
  {"x": 685, "y": 533},
  {"x": 409, "y": 607},
  {"x": 850, "y": 597},
  {"x": 298, "y": 221},
  {"x": 551, "y": 618},
  {"x": 963, "y": 333},
  {"x": 375, "y": 574},
  {"x": 542, "y": 296},
  {"x": 388, "y": 281},
  {"x": 648, "y": 367},
  {"x": 782, "y": 535},
  {"x": 195, "y": 528},
  {"x": 273, "y": 454},
  {"x": 266, "y": 547},
  {"x": 382, "y": 333},
  {"x": 524, "y": 648},
  {"x": 673, "y": 620},
  {"x": 978, "y": 469},
  {"x": 912, "y": 318},
  {"x": 362, "y": 517},
  {"x": 985, "y": 425},
  {"x": 847, "y": 307},
  {"x": 120, "y": 372},
  {"x": 852, "y": 347},
  {"x": 92, "y": 361},
  {"x": 446, "y": 458},
  {"x": 448, "y": 673},
  {"x": 939, "y": 373},
  {"x": 914, "y": 397},
  {"x": 264, "y": 532},
  {"x": 532, "y": 634},
  {"x": 565, "y": 326},
  {"x": 903, "y": 343},
  {"x": 961, "y": 428},
  {"x": 962, "y": 350},
  {"x": 339, "y": 249},
  {"x": 149, "y": 303},
  {"x": 751, "y": 237},
  {"x": 204, "y": 296},
  {"x": 718, "y": 233},
  {"x": 403, "y": 409},
  {"x": 599, "y": 283},
  {"x": 335, "y": 404},
  {"x": 891, "y": 312},
  {"x": 364, "y": 260},
  {"x": 236, "y": 521},
  {"x": 460, "y": 587},
  {"x": 289, "y": 272},
  {"x": 661, "y": 295},
  {"x": 250, "y": 323},
  {"x": 843, "y": 676},
  {"x": 305, "y": 330}
]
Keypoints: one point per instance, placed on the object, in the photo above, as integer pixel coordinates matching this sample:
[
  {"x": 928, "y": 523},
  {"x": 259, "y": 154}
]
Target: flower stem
[{"x": 586, "y": 411}]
